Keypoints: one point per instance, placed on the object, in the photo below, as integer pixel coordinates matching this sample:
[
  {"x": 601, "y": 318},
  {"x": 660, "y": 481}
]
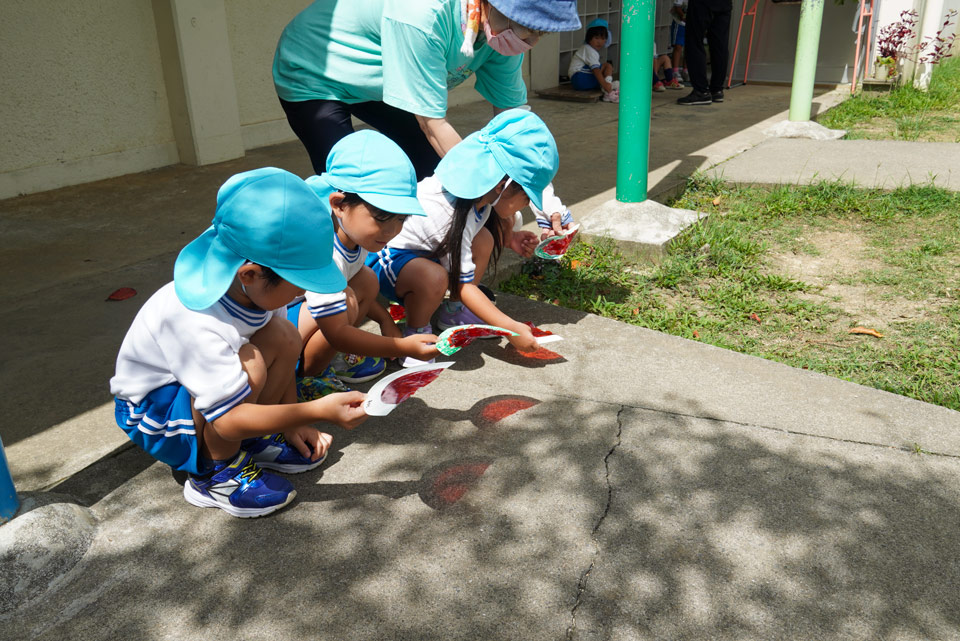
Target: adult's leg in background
[
  {"x": 319, "y": 124},
  {"x": 698, "y": 21},
  {"x": 402, "y": 128},
  {"x": 718, "y": 39}
]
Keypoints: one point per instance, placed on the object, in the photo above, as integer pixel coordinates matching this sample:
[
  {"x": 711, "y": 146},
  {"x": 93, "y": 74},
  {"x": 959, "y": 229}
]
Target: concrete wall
[
  {"x": 82, "y": 95},
  {"x": 91, "y": 89}
]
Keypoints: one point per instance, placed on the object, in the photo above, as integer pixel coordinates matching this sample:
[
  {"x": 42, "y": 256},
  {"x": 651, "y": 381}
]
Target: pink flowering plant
[{"x": 894, "y": 42}]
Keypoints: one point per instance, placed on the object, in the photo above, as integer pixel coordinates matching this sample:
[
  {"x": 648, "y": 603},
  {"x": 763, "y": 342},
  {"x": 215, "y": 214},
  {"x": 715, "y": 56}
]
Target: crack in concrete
[
  {"x": 582, "y": 583},
  {"x": 900, "y": 448}
]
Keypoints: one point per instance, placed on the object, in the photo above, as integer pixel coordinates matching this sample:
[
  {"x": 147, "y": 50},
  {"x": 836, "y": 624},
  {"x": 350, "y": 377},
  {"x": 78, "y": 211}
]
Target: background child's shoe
[
  {"x": 611, "y": 96},
  {"x": 410, "y": 361},
  {"x": 454, "y": 313},
  {"x": 352, "y": 368},
  {"x": 674, "y": 84},
  {"x": 274, "y": 453},
  {"x": 239, "y": 488},
  {"x": 310, "y": 388},
  {"x": 658, "y": 87}
]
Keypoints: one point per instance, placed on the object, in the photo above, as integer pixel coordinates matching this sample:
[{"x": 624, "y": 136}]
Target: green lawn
[
  {"x": 785, "y": 274},
  {"x": 904, "y": 113}
]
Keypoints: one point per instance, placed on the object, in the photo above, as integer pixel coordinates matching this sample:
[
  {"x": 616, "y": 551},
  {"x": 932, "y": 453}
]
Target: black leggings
[
  {"x": 319, "y": 124},
  {"x": 710, "y": 18}
]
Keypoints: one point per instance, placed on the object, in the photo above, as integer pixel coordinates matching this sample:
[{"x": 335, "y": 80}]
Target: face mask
[
  {"x": 500, "y": 195},
  {"x": 506, "y": 42}
]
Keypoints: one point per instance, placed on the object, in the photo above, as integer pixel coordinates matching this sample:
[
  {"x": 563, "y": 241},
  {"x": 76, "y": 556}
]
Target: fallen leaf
[
  {"x": 574, "y": 264},
  {"x": 696, "y": 334},
  {"x": 754, "y": 317},
  {"x": 122, "y": 294},
  {"x": 636, "y": 310},
  {"x": 865, "y": 330},
  {"x": 716, "y": 201},
  {"x": 556, "y": 301}
]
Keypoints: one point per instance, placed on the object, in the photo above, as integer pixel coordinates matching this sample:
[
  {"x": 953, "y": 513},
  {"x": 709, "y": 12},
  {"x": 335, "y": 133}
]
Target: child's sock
[{"x": 667, "y": 74}]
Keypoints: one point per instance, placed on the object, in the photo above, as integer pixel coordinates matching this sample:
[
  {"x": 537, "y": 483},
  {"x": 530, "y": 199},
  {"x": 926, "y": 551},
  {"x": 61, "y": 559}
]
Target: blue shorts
[
  {"x": 584, "y": 81},
  {"x": 678, "y": 34},
  {"x": 162, "y": 425},
  {"x": 387, "y": 264}
]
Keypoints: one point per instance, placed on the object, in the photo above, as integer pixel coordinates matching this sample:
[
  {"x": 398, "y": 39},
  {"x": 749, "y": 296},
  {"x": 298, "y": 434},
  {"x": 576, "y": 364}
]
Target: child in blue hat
[
  {"x": 205, "y": 375},
  {"x": 470, "y": 203},
  {"x": 370, "y": 188}
]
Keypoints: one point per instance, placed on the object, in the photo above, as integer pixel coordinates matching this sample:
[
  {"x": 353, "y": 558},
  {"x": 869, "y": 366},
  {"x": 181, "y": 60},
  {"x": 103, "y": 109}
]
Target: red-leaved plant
[{"x": 894, "y": 40}]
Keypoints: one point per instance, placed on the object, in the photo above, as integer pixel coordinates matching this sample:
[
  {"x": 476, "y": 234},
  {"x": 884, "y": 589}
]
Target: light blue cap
[
  {"x": 369, "y": 164},
  {"x": 542, "y": 15},
  {"x": 267, "y": 216},
  {"x": 515, "y": 143},
  {"x": 600, "y": 22}
]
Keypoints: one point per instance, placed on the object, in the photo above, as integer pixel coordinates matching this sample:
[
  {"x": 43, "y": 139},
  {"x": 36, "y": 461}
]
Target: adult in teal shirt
[{"x": 391, "y": 63}]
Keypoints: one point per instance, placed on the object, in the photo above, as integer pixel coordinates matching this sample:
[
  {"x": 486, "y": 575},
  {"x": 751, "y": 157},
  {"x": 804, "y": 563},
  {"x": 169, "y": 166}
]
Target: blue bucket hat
[
  {"x": 515, "y": 143},
  {"x": 267, "y": 216},
  {"x": 369, "y": 164},
  {"x": 600, "y": 22},
  {"x": 541, "y": 15}
]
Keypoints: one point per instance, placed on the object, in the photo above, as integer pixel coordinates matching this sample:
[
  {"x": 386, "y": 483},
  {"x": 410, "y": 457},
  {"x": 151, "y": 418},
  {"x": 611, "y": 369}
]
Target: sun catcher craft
[
  {"x": 554, "y": 247},
  {"x": 399, "y": 386},
  {"x": 453, "y": 339}
]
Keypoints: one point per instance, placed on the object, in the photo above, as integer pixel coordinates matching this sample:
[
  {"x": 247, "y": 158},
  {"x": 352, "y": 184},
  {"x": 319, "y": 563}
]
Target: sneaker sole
[
  {"x": 290, "y": 468},
  {"x": 699, "y": 102},
  {"x": 193, "y": 497}
]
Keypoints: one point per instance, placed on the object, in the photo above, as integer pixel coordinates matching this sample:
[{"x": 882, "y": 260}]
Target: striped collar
[
  {"x": 252, "y": 317},
  {"x": 350, "y": 255}
]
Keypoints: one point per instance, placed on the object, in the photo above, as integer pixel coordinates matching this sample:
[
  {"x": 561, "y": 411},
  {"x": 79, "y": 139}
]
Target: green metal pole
[
  {"x": 805, "y": 65},
  {"x": 636, "y": 85}
]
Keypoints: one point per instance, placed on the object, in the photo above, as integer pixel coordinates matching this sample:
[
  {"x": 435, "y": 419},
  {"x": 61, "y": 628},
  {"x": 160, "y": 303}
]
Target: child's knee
[
  {"x": 279, "y": 337},
  {"x": 483, "y": 243}
]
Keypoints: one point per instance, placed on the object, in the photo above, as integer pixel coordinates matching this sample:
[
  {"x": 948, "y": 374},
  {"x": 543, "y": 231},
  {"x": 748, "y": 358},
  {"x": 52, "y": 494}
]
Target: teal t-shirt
[{"x": 403, "y": 52}]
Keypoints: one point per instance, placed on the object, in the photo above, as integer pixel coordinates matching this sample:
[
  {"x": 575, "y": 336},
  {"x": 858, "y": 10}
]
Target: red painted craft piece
[
  {"x": 557, "y": 247},
  {"x": 537, "y": 331},
  {"x": 397, "y": 312},
  {"x": 404, "y": 387},
  {"x": 122, "y": 294},
  {"x": 465, "y": 336}
]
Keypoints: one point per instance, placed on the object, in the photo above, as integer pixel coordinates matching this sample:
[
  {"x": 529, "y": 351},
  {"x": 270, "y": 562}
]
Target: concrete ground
[{"x": 630, "y": 485}]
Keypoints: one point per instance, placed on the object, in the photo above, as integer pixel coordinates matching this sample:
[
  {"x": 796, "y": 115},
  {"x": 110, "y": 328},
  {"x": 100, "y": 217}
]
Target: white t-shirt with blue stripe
[
  {"x": 168, "y": 343},
  {"x": 350, "y": 261},
  {"x": 425, "y": 233}
]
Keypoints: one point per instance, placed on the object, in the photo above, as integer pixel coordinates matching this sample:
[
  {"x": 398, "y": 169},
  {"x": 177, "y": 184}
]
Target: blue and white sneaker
[
  {"x": 352, "y": 368},
  {"x": 241, "y": 489},
  {"x": 274, "y": 453}
]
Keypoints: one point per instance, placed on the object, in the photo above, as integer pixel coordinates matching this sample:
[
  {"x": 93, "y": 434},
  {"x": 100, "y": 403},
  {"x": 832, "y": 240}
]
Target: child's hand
[
  {"x": 421, "y": 346},
  {"x": 344, "y": 409},
  {"x": 523, "y": 242},
  {"x": 390, "y": 330},
  {"x": 309, "y": 441},
  {"x": 607, "y": 87},
  {"x": 524, "y": 341},
  {"x": 556, "y": 229}
]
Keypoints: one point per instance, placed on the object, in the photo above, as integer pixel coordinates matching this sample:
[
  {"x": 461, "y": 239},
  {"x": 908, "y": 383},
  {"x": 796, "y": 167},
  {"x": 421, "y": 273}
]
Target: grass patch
[
  {"x": 785, "y": 273},
  {"x": 905, "y": 113}
]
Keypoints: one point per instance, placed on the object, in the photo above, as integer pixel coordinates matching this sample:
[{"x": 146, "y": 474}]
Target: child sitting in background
[
  {"x": 371, "y": 188},
  {"x": 585, "y": 70},
  {"x": 471, "y": 202},
  {"x": 205, "y": 375},
  {"x": 662, "y": 63}
]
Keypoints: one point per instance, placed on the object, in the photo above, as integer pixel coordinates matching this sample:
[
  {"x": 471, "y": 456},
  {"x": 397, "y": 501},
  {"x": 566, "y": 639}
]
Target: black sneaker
[
  {"x": 717, "y": 96},
  {"x": 695, "y": 98}
]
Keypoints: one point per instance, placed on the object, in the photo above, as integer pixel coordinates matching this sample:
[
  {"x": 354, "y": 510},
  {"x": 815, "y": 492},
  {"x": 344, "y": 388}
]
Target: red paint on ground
[
  {"x": 499, "y": 410},
  {"x": 122, "y": 294},
  {"x": 452, "y": 483}
]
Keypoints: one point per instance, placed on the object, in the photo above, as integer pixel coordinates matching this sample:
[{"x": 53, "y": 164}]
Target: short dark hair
[
  {"x": 593, "y": 32},
  {"x": 350, "y": 199}
]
